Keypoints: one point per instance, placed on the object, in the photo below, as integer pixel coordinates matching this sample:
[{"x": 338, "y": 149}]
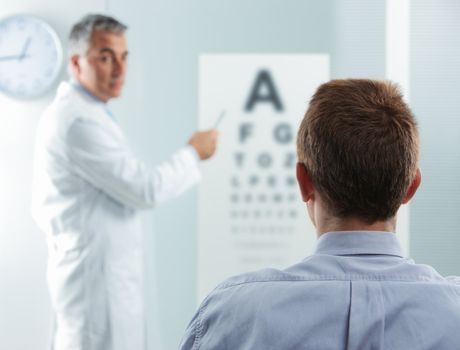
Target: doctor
[{"x": 88, "y": 191}]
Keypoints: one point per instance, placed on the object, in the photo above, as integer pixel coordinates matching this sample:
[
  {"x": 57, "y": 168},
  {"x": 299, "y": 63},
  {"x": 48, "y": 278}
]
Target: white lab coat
[{"x": 87, "y": 193}]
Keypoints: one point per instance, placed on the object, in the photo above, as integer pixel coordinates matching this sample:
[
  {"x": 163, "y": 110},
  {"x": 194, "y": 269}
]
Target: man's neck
[
  {"x": 88, "y": 91},
  {"x": 333, "y": 224}
]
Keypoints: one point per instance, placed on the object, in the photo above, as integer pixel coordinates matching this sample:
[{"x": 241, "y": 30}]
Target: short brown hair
[{"x": 359, "y": 143}]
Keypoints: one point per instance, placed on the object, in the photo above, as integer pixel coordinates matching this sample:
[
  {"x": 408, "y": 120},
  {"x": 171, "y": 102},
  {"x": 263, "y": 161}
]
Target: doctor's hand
[{"x": 204, "y": 142}]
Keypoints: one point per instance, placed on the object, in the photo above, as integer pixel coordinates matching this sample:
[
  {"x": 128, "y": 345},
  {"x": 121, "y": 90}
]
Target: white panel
[
  {"x": 397, "y": 43},
  {"x": 397, "y": 70},
  {"x": 250, "y": 212}
]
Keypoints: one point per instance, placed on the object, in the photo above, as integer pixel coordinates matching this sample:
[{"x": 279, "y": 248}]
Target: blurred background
[{"x": 412, "y": 42}]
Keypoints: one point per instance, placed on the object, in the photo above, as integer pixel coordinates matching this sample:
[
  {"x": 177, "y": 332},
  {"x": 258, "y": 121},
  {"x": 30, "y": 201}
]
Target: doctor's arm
[{"x": 109, "y": 165}]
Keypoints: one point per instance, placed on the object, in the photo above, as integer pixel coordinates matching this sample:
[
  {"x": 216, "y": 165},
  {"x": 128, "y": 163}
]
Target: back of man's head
[
  {"x": 80, "y": 34},
  {"x": 359, "y": 143}
]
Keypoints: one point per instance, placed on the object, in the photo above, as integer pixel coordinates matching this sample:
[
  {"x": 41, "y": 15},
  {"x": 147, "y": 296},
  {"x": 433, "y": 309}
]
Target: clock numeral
[
  {"x": 49, "y": 72},
  {"x": 21, "y": 88},
  {"x": 21, "y": 25}
]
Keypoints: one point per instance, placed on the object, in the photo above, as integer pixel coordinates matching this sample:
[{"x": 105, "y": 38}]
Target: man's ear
[
  {"x": 305, "y": 182},
  {"x": 413, "y": 187},
  {"x": 74, "y": 65}
]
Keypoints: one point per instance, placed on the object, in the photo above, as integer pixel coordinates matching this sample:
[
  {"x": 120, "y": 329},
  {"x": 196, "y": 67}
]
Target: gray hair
[{"x": 80, "y": 35}]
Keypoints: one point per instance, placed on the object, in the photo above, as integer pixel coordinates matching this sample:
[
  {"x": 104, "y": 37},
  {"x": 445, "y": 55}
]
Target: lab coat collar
[
  {"x": 80, "y": 88},
  {"x": 75, "y": 85}
]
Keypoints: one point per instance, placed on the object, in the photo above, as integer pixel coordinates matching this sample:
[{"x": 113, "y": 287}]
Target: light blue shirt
[
  {"x": 94, "y": 98},
  {"x": 356, "y": 292}
]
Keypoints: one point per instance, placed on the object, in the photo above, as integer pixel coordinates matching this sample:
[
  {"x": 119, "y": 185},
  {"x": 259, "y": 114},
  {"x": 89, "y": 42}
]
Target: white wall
[{"x": 24, "y": 303}]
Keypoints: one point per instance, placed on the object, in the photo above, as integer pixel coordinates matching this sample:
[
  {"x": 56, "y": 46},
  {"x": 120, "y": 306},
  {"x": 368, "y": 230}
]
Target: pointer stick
[{"x": 216, "y": 124}]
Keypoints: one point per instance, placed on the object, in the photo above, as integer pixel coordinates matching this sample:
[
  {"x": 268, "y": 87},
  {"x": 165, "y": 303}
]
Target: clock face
[{"x": 30, "y": 56}]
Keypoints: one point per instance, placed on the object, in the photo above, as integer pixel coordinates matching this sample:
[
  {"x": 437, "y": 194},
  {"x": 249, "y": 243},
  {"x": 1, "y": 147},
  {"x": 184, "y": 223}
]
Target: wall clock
[{"x": 30, "y": 56}]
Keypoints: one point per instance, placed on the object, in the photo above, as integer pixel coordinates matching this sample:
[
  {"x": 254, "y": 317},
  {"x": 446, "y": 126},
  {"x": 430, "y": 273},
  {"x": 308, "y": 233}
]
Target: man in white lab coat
[{"x": 88, "y": 191}]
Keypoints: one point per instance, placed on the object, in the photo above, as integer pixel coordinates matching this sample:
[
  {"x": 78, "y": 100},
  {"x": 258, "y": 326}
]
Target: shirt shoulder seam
[
  {"x": 199, "y": 326},
  {"x": 346, "y": 278}
]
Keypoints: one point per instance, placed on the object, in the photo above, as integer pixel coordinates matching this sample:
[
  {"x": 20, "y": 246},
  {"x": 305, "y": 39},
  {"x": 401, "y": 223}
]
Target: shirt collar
[
  {"x": 85, "y": 91},
  {"x": 359, "y": 242},
  {"x": 79, "y": 87}
]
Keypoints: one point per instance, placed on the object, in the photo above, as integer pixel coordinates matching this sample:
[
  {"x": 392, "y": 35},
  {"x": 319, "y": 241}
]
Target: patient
[{"x": 357, "y": 152}]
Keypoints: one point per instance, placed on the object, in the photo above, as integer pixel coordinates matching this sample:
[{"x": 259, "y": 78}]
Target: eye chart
[{"x": 250, "y": 213}]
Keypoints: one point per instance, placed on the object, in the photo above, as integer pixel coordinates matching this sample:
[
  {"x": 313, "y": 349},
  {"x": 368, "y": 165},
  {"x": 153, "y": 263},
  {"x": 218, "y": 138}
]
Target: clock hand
[
  {"x": 13, "y": 57},
  {"x": 24, "y": 49}
]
